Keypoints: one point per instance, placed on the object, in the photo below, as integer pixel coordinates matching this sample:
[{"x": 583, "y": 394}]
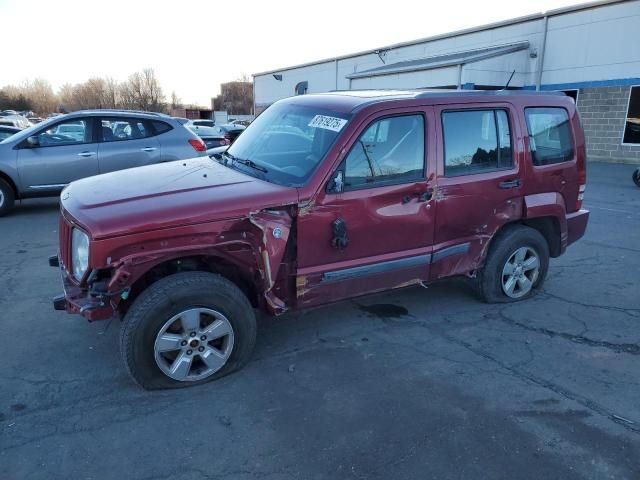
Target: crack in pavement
[{"x": 631, "y": 348}]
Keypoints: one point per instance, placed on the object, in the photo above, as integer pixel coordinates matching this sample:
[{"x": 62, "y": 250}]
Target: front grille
[{"x": 65, "y": 243}]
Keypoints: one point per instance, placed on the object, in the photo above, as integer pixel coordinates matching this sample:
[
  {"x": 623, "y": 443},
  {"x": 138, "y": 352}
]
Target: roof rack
[
  {"x": 119, "y": 110},
  {"x": 443, "y": 92}
]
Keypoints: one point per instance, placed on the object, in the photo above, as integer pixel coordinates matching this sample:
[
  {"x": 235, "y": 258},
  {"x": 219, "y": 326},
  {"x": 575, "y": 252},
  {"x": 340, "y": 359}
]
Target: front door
[
  {"x": 371, "y": 229},
  {"x": 65, "y": 151}
]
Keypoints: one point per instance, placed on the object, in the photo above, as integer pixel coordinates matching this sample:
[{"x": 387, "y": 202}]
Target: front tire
[
  {"x": 186, "y": 329},
  {"x": 636, "y": 177},
  {"x": 7, "y": 197},
  {"x": 516, "y": 265}
]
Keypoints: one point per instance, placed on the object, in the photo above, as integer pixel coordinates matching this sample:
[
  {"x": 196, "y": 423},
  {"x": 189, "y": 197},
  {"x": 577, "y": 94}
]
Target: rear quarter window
[
  {"x": 160, "y": 127},
  {"x": 550, "y": 137}
]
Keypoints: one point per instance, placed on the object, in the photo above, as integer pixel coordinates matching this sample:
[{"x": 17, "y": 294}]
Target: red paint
[{"x": 138, "y": 219}]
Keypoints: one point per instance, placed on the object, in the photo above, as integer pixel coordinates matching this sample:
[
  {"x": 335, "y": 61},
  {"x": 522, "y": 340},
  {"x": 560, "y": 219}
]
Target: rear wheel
[
  {"x": 636, "y": 177},
  {"x": 7, "y": 197},
  {"x": 516, "y": 265},
  {"x": 186, "y": 329}
]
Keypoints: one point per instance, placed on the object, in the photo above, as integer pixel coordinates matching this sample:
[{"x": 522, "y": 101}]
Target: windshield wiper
[{"x": 250, "y": 163}]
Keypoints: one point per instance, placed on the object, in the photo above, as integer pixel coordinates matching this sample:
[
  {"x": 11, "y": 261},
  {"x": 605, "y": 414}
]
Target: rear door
[
  {"x": 376, "y": 232},
  {"x": 126, "y": 143},
  {"x": 479, "y": 184},
  {"x": 66, "y": 151}
]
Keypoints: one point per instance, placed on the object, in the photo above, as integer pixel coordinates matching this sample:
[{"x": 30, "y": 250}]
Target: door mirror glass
[
  {"x": 33, "y": 141},
  {"x": 336, "y": 184}
]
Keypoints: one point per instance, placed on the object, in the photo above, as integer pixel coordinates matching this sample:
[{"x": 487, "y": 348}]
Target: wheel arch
[
  {"x": 4, "y": 176},
  {"x": 211, "y": 263}
]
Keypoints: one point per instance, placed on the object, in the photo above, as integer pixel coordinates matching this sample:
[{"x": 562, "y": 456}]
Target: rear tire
[
  {"x": 516, "y": 265},
  {"x": 165, "y": 311},
  {"x": 7, "y": 197},
  {"x": 636, "y": 177}
]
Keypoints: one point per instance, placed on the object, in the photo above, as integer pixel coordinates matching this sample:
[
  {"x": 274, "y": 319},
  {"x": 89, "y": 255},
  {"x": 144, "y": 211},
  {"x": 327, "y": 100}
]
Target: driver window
[
  {"x": 71, "y": 132},
  {"x": 390, "y": 150}
]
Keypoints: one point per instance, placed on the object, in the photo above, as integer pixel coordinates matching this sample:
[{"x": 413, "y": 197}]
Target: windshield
[{"x": 288, "y": 141}]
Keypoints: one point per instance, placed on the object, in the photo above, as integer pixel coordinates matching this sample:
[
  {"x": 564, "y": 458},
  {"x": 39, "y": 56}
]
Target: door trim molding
[
  {"x": 375, "y": 268},
  {"x": 47, "y": 186},
  {"x": 458, "y": 249}
]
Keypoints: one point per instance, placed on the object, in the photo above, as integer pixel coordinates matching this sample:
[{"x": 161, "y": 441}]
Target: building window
[
  {"x": 476, "y": 141},
  {"x": 550, "y": 137},
  {"x": 301, "y": 88},
  {"x": 632, "y": 123}
]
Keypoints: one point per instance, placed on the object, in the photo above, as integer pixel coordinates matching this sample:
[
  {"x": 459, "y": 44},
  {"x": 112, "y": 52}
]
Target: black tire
[
  {"x": 7, "y": 197},
  {"x": 169, "y": 296},
  {"x": 507, "y": 241},
  {"x": 636, "y": 177}
]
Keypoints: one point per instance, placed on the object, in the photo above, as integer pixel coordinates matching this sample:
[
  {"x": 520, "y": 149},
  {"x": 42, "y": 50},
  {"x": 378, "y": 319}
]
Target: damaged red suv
[{"x": 322, "y": 198}]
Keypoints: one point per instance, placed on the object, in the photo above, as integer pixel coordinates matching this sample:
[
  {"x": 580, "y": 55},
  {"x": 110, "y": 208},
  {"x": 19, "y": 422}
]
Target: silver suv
[{"x": 41, "y": 160}]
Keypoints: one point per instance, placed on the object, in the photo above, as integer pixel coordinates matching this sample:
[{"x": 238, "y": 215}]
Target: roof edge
[{"x": 456, "y": 33}]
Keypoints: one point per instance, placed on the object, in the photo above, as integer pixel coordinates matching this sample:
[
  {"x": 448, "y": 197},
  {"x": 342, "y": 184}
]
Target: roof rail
[
  {"x": 119, "y": 110},
  {"x": 443, "y": 92}
]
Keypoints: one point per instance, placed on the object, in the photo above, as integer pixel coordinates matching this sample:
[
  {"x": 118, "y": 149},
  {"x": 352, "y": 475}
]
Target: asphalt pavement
[{"x": 412, "y": 384}]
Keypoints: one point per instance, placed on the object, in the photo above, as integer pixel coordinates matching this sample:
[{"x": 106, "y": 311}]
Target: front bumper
[
  {"x": 576, "y": 225},
  {"x": 91, "y": 305}
]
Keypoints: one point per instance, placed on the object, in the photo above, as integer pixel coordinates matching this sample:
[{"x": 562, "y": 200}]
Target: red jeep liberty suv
[{"x": 323, "y": 197}]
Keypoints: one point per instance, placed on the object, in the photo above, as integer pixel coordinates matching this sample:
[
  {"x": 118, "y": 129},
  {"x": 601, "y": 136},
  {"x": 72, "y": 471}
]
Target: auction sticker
[{"x": 328, "y": 123}]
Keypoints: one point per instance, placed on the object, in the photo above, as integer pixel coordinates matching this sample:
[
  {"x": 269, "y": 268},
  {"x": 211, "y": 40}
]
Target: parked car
[
  {"x": 202, "y": 123},
  {"x": 43, "y": 159},
  {"x": 213, "y": 138},
  {"x": 243, "y": 123},
  {"x": 6, "y": 131},
  {"x": 231, "y": 131},
  {"x": 15, "y": 121},
  {"x": 389, "y": 190}
]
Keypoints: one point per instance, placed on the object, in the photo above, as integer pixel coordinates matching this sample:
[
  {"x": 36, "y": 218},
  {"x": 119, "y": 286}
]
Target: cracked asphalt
[{"x": 409, "y": 384}]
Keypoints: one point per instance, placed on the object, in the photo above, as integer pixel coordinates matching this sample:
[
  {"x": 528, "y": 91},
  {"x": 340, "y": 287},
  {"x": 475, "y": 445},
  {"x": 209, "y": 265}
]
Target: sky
[{"x": 194, "y": 45}]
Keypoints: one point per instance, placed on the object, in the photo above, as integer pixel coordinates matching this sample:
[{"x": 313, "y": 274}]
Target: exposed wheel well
[
  {"x": 7, "y": 179},
  {"x": 201, "y": 263},
  {"x": 549, "y": 227}
]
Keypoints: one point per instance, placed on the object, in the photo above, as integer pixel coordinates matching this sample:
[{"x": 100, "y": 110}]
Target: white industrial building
[{"x": 590, "y": 51}]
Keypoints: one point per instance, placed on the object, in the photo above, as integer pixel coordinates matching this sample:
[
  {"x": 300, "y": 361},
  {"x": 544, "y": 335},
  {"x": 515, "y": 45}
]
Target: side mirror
[
  {"x": 336, "y": 184},
  {"x": 33, "y": 141}
]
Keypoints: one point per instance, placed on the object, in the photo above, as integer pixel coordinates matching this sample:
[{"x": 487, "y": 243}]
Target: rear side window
[
  {"x": 118, "y": 129},
  {"x": 549, "y": 135},
  {"x": 390, "y": 150},
  {"x": 161, "y": 127},
  {"x": 476, "y": 141}
]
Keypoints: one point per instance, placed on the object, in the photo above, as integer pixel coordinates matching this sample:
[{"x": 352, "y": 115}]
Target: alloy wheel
[
  {"x": 193, "y": 344},
  {"x": 520, "y": 272}
]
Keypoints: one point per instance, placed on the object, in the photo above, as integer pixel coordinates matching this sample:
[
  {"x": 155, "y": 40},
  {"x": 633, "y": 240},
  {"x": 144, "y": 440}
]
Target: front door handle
[
  {"x": 86, "y": 154},
  {"x": 149, "y": 149},
  {"x": 515, "y": 183}
]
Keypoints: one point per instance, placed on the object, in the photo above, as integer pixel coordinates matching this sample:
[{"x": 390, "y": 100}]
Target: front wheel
[
  {"x": 515, "y": 267},
  {"x": 186, "y": 329},
  {"x": 7, "y": 197},
  {"x": 636, "y": 177}
]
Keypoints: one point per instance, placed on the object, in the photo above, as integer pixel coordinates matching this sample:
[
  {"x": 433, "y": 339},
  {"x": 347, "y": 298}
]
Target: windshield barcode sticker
[{"x": 328, "y": 123}]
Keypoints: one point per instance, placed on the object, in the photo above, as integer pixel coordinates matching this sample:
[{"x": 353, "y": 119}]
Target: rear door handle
[
  {"x": 515, "y": 183},
  {"x": 149, "y": 149},
  {"x": 86, "y": 154}
]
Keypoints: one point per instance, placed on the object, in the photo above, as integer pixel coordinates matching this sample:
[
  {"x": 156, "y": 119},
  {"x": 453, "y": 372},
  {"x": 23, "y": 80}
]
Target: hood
[{"x": 166, "y": 195}]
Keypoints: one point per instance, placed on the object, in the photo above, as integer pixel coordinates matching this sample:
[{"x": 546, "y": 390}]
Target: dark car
[
  {"x": 213, "y": 137},
  {"x": 231, "y": 131},
  {"x": 6, "y": 131},
  {"x": 322, "y": 198}
]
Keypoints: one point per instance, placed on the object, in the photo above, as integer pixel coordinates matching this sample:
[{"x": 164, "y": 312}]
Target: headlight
[{"x": 80, "y": 253}]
